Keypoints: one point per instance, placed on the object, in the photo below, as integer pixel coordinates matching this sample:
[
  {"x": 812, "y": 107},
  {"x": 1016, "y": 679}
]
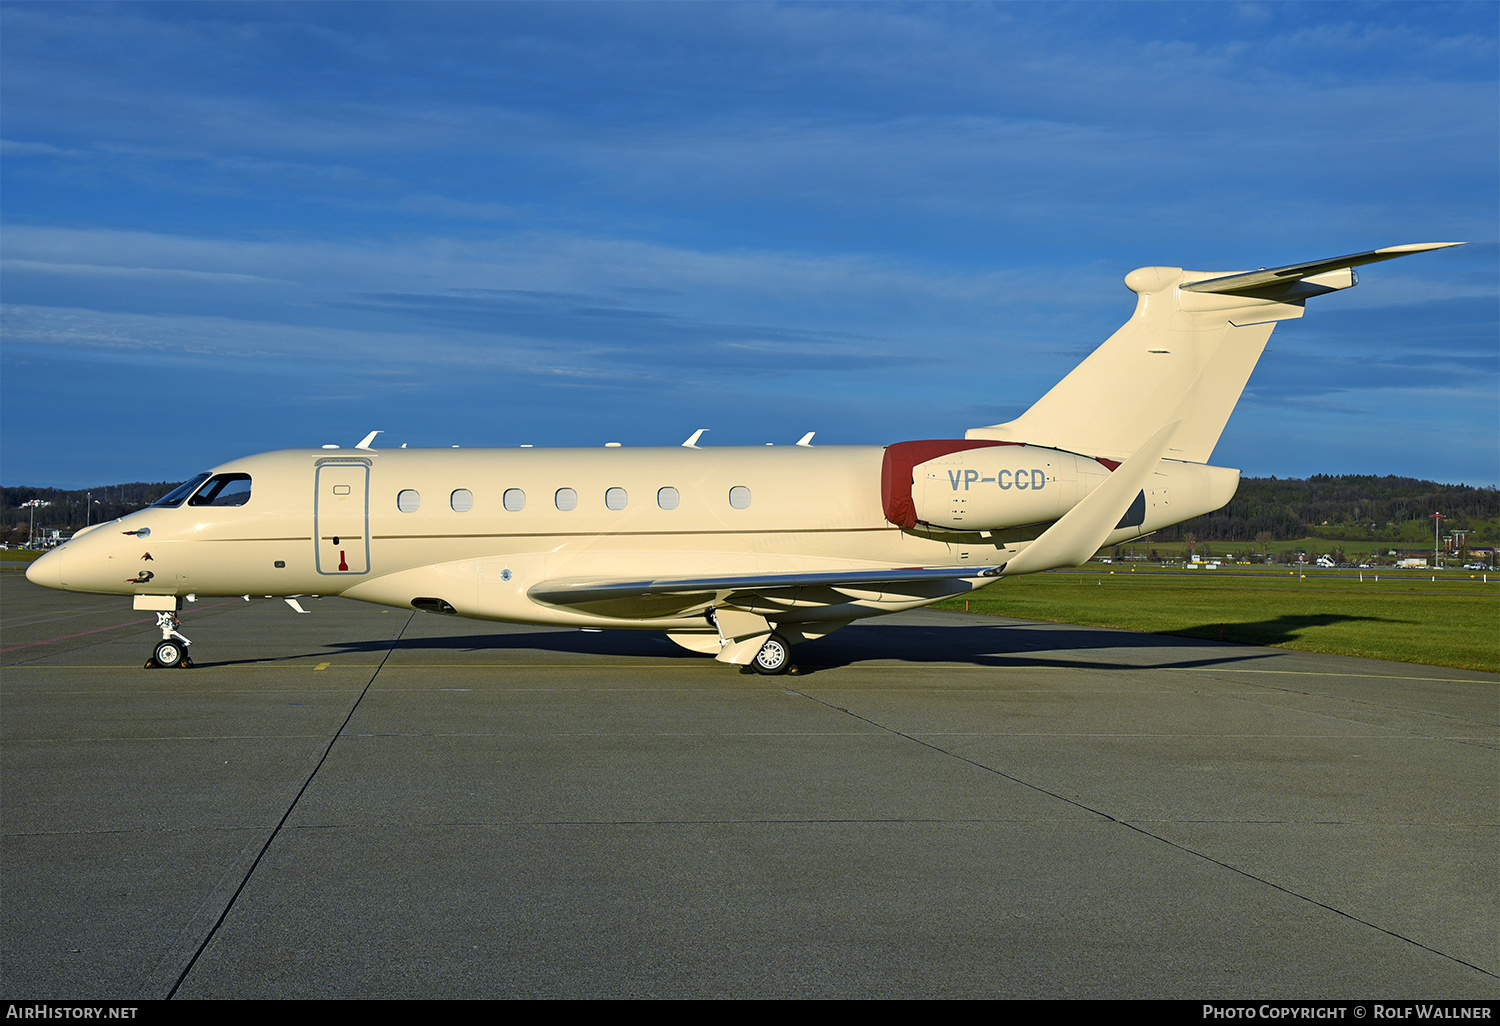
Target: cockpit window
[
  {"x": 223, "y": 490},
  {"x": 182, "y": 491}
]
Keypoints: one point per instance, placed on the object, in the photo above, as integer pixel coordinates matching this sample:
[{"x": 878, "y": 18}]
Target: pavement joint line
[
  {"x": 1386, "y": 706},
  {"x": 291, "y": 806},
  {"x": 955, "y": 735},
  {"x": 113, "y": 627},
  {"x": 1404, "y": 824},
  {"x": 1133, "y": 826},
  {"x": 13, "y": 621},
  {"x": 80, "y": 634},
  {"x": 1329, "y": 673}
]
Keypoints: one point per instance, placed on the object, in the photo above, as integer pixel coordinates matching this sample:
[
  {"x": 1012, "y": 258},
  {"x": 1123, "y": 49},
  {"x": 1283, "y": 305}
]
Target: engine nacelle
[
  {"x": 1001, "y": 486},
  {"x": 981, "y": 485}
]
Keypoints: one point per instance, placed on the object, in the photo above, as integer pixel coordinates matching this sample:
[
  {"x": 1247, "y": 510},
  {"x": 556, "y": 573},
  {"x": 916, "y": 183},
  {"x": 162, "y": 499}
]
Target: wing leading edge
[
  {"x": 584, "y": 591},
  {"x": 1266, "y": 277}
]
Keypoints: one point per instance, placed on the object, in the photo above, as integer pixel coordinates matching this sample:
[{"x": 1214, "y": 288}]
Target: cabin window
[
  {"x": 462, "y": 500},
  {"x": 408, "y": 500},
  {"x": 223, "y": 490},
  {"x": 514, "y": 500},
  {"x": 566, "y": 499},
  {"x": 739, "y": 497},
  {"x": 182, "y": 491},
  {"x": 667, "y": 498},
  {"x": 615, "y": 498}
]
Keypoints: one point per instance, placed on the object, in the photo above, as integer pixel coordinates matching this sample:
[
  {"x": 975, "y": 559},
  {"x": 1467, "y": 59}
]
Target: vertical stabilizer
[{"x": 1184, "y": 355}]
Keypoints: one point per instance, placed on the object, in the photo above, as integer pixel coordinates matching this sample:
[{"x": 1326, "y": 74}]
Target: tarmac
[{"x": 375, "y": 803}]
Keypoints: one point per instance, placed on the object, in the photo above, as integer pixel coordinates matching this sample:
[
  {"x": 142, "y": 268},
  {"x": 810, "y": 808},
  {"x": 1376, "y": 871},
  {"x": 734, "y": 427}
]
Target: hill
[{"x": 1344, "y": 507}]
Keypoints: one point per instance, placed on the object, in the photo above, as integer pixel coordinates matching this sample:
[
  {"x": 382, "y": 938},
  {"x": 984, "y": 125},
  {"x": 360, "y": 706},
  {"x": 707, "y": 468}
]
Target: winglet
[{"x": 1078, "y": 535}]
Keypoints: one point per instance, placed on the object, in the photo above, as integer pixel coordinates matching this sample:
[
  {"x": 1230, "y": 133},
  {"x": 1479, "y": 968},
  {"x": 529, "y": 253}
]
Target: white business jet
[{"x": 739, "y": 553}]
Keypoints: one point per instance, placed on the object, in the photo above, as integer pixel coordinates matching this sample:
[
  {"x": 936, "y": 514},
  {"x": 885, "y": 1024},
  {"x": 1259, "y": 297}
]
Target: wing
[{"x": 668, "y": 596}]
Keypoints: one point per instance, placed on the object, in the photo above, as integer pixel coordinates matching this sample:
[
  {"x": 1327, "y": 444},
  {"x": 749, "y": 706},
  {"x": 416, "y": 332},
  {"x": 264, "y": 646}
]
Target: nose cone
[{"x": 47, "y": 569}]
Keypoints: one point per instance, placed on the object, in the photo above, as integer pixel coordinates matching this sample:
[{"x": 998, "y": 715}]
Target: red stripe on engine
[{"x": 896, "y": 468}]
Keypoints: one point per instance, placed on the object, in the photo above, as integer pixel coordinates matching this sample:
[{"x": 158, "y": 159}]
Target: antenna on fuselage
[
  {"x": 806, "y": 440},
  {"x": 365, "y": 442},
  {"x": 692, "y": 442}
]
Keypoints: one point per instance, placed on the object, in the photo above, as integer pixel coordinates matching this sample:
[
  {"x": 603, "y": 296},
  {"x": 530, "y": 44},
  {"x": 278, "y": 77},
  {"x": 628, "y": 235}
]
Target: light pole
[{"x": 1437, "y": 524}]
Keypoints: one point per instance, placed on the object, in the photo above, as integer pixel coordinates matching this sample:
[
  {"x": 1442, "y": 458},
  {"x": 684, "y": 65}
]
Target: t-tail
[
  {"x": 1120, "y": 447},
  {"x": 1184, "y": 356}
]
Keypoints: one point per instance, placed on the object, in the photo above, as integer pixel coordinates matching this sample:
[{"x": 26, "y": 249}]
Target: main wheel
[
  {"x": 168, "y": 654},
  {"x": 774, "y": 657}
]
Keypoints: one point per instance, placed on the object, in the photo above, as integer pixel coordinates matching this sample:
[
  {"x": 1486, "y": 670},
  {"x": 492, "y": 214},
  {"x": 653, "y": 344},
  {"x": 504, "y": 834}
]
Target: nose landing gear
[{"x": 171, "y": 651}]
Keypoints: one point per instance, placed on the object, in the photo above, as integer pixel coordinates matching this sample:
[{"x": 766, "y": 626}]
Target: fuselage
[{"x": 479, "y": 528}]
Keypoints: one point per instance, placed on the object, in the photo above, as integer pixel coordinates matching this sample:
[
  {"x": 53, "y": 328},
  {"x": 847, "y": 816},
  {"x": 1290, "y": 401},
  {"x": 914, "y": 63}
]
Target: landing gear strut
[{"x": 171, "y": 651}]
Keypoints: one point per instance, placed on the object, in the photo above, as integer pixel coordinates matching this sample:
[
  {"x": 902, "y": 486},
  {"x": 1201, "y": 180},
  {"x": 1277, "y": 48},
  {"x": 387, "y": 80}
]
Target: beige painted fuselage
[
  {"x": 327, "y": 522},
  {"x": 725, "y": 548}
]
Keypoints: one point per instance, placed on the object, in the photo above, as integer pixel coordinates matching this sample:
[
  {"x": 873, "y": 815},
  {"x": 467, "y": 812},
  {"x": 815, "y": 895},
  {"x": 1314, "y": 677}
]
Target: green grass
[{"x": 1404, "y": 616}]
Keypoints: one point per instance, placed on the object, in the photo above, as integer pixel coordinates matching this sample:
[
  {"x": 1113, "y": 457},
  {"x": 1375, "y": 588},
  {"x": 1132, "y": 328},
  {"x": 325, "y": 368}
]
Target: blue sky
[{"x": 236, "y": 227}]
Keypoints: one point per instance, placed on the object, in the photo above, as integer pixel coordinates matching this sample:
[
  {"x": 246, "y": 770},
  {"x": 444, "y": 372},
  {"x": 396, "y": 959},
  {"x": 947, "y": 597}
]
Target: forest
[{"x": 1344, "y": 507}]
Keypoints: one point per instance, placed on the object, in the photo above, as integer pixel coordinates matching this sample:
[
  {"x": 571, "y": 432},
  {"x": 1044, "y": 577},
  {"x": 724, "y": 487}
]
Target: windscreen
[
  {"x": 223, "y": 490},
  {"x": 182, "y": 491}
]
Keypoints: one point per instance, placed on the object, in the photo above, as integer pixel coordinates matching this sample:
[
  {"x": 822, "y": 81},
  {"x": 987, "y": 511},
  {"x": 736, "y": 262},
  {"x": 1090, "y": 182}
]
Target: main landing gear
[
  {"x": 745, "y": 640},
  {"x": 171, "y": 651},
  {"x": 774, "y": 657}
]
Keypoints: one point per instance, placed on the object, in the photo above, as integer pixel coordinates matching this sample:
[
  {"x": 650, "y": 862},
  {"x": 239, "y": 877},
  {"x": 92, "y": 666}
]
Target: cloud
[{"x": 922, "y": 211}]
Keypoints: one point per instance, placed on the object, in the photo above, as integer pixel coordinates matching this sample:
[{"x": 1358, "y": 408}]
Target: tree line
[
  {"x": 67, "y": 510},
  {"x": 1351, "y": 507},
  {"x": 1345, "y": 506}
]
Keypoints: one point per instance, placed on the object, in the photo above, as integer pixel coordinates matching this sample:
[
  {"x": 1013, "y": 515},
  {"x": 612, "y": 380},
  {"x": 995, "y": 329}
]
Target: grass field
[{"x": 1403, "y": 616}]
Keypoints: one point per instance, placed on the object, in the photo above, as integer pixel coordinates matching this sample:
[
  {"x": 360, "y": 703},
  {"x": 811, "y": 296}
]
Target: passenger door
[{"x": 341, "y": 517}]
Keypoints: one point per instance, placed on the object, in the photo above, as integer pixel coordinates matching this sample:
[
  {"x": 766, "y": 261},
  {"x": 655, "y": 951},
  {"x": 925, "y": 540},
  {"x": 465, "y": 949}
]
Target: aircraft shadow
[
  {"x": 997, "y": 644},
  {"x": 1276, "y": 631}
]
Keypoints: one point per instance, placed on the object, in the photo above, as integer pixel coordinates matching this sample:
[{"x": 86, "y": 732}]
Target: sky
[{"x": 229, "y": 228}]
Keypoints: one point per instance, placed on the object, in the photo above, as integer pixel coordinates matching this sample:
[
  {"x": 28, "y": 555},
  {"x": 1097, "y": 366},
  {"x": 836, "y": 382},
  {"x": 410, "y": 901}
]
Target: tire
[
  {"x": 774, "y": 657},
  {"x": 168, "y": 654}
]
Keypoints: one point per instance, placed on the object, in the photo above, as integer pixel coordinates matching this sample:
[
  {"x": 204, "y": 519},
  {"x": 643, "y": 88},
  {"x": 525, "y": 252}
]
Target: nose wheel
[{"x": 171, "y": 650}]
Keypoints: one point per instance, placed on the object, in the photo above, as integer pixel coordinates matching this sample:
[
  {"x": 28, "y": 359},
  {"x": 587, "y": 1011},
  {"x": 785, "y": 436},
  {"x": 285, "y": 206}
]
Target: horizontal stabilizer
[
  {"x": 1266, "y": 278},
  {"x": 1078, "y": 535}
]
